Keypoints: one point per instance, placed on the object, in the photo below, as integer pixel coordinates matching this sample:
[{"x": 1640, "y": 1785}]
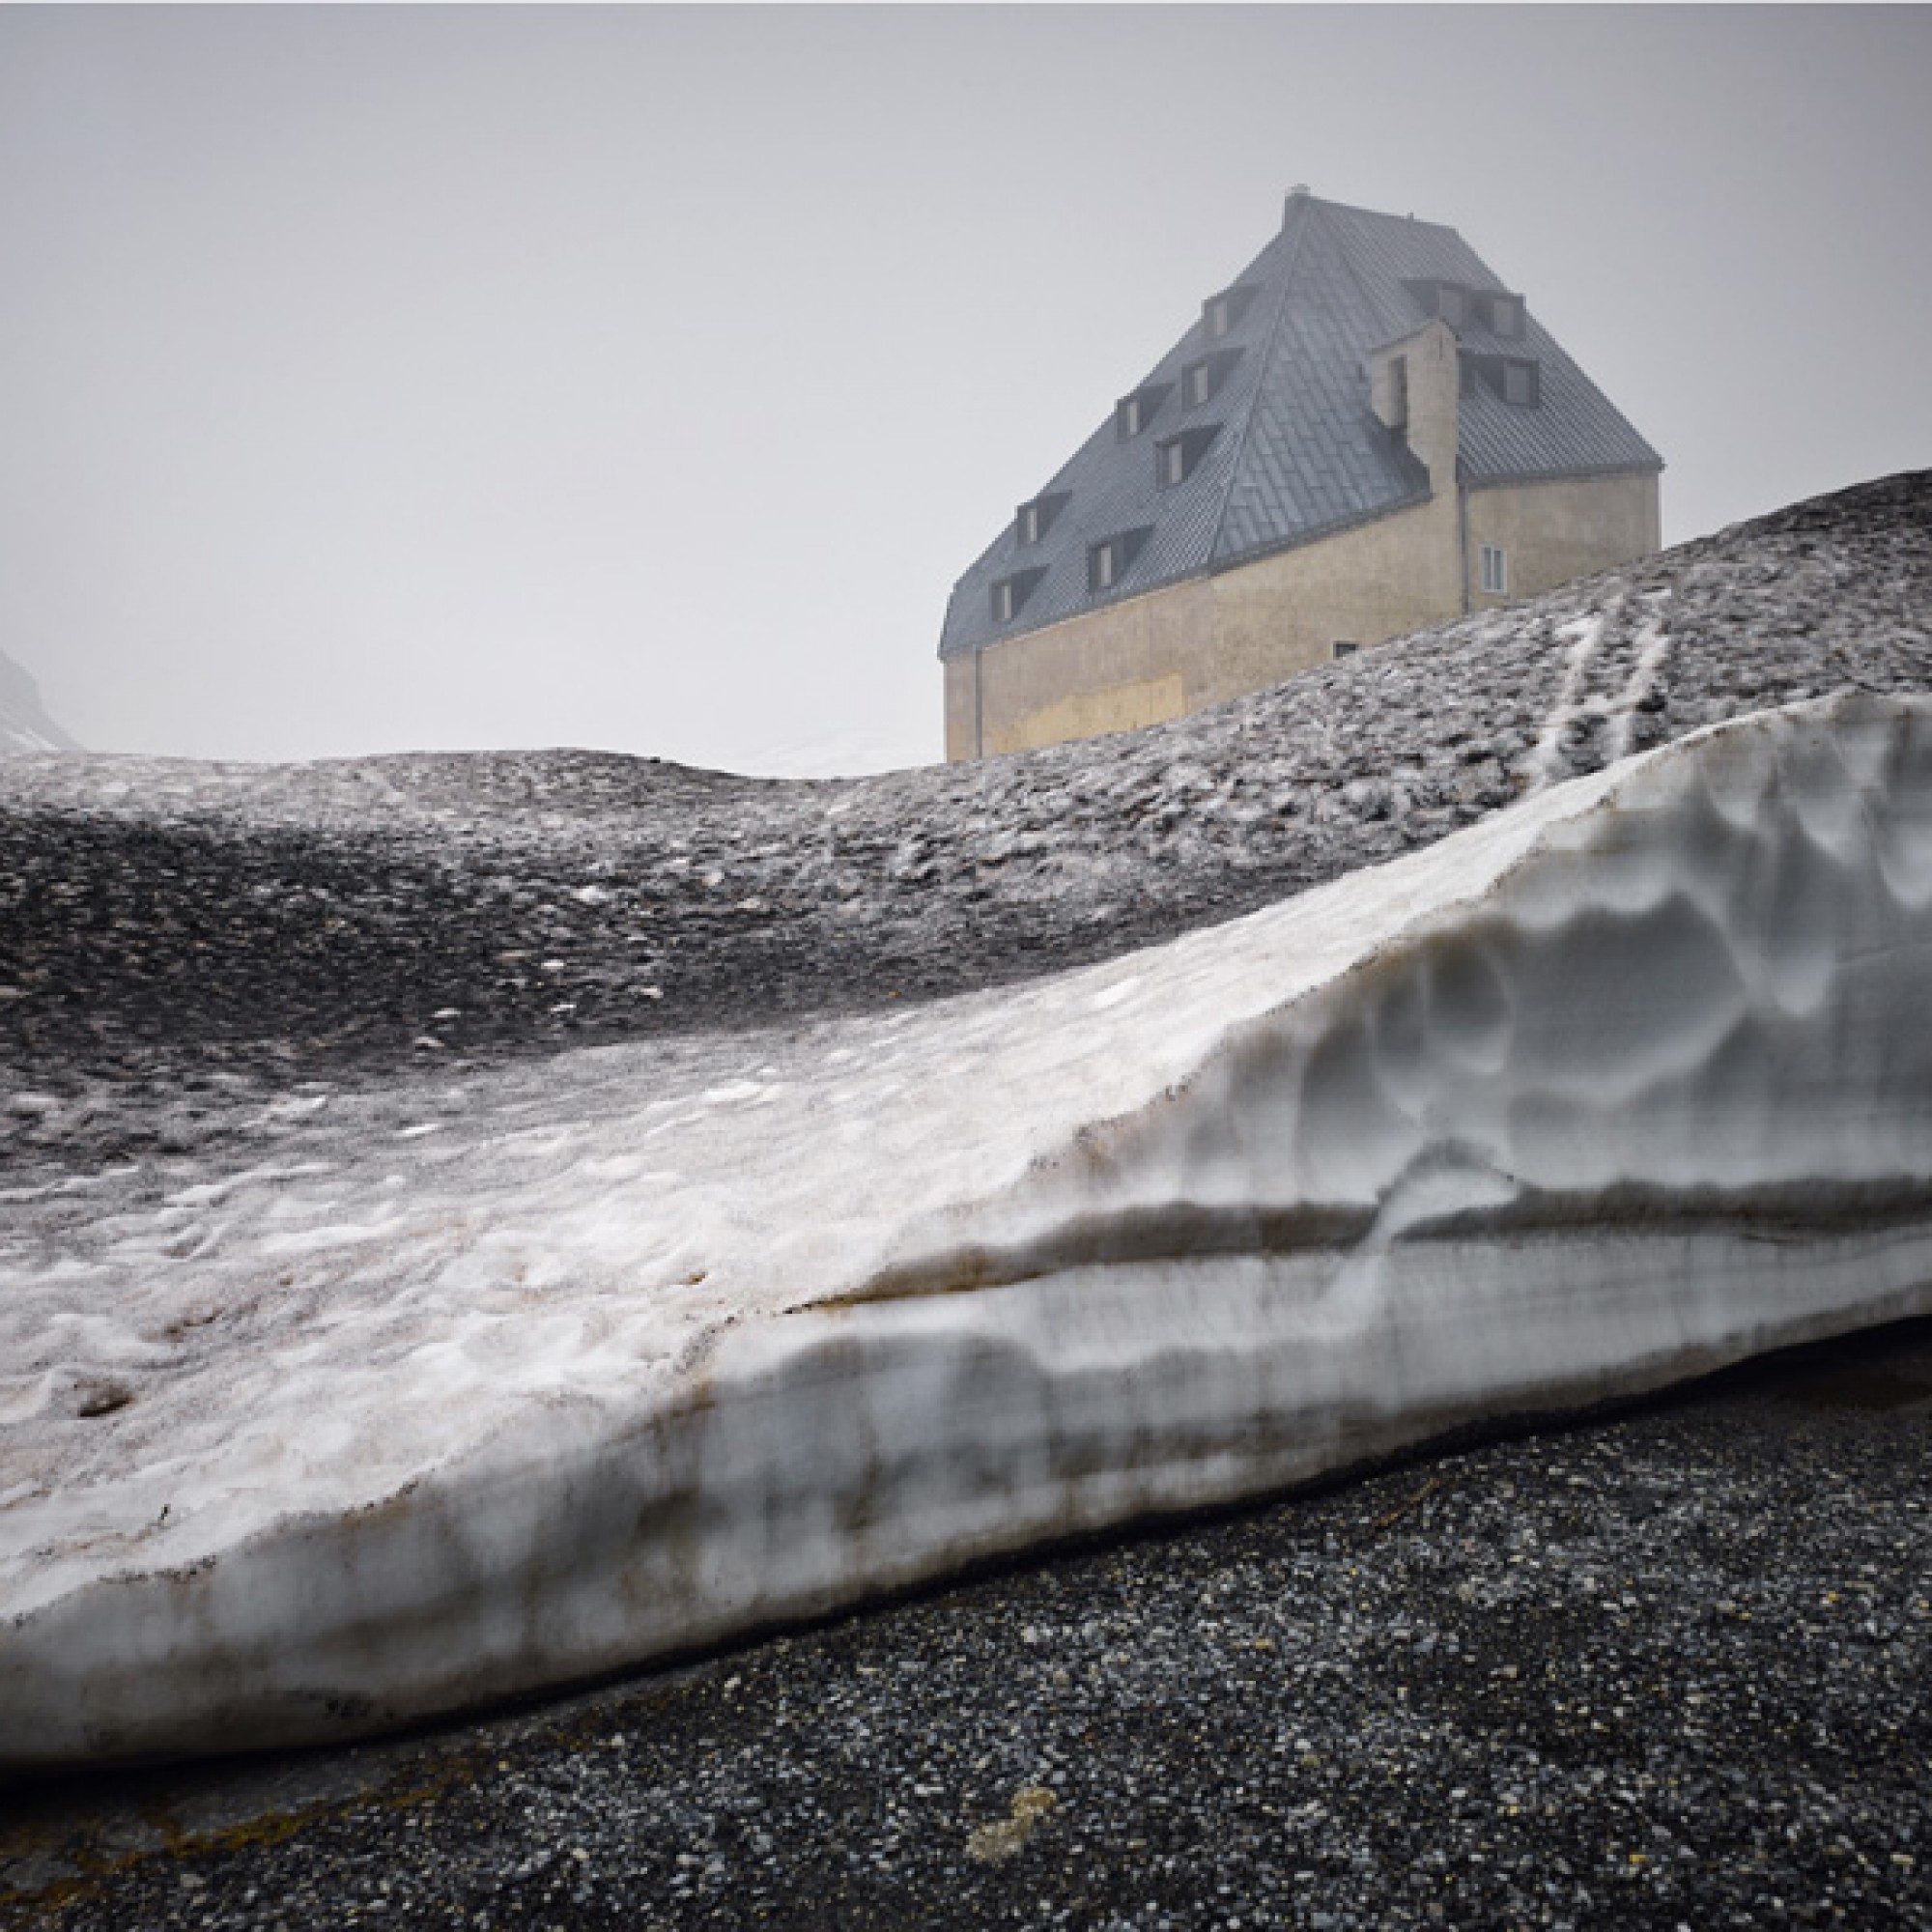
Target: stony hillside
[{"x": 193, "y": 923}]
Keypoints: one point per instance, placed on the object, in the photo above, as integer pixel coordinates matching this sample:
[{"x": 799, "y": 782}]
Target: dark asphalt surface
[{"x": 1666, "y": 1668}]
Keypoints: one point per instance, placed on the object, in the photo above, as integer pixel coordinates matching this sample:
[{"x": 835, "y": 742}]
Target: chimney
[
  {"x": 1414, "y": 389},
  {"x": 1299, "y": 193}
]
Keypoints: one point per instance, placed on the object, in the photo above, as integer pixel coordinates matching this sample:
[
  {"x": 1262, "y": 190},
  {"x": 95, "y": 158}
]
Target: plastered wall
[
  {"x": 1198, "y": 643},
  {"x": 1556, "y": 532}
]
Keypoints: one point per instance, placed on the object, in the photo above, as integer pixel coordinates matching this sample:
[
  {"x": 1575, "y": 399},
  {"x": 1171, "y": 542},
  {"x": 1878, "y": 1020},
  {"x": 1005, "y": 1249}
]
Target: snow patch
[{"x": 1618, "y": 1085}]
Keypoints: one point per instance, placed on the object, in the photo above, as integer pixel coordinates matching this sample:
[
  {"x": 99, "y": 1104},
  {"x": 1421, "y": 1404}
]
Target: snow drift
[{"x": 477, "y": 1388}]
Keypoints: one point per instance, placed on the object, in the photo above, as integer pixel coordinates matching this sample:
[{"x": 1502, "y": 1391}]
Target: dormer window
[
  {"x": 1516, "y": 378},
  {"x": 1033, "y": 520},
  {"x": 1221, "y": 313},
  {"x": 1452, "y": 303},
  {"x": 1011, "y": 593},
  {"x": 1202, "y": 378},
  {"x": 1110, "y": 559},
  {"x": 1502, "y": 314},
  {"x": 1519, "y": 384},
  {"x": 1133, "y": 413},
  {"x": 1175, "y": 456}
]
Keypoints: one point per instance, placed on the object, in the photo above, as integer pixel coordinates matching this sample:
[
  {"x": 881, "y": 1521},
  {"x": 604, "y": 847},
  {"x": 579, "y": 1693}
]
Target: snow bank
[{"x": 474, "y": 1388}]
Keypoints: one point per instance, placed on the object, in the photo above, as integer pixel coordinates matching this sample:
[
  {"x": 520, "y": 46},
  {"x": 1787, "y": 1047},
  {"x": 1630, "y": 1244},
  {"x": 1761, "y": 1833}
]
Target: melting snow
[{"x": 646, "y": 1347}]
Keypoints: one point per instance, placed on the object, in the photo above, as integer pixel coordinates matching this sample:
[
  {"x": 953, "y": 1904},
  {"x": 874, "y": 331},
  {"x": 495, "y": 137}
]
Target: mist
[{"x": 642, "y": 379}]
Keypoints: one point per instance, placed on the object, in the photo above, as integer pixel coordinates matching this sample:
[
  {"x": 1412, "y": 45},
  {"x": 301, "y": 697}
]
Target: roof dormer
[
  {"x": 1202, "y": 378},
  {"x": 1112, "y": 558},
  {"x": 1133, "y": 413},
  {"x": 1035, "y": 518},
  {"x": 1175, "y": 456},
  {"x": 1222, "y": 313},
  {"x": 1502, "y": 313},
  {"x": 1516, "y": 378}
]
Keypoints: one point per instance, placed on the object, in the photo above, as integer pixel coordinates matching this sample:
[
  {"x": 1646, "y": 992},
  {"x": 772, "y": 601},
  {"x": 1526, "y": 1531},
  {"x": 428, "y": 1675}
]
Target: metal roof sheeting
[{"x": 1298, "y": 452}]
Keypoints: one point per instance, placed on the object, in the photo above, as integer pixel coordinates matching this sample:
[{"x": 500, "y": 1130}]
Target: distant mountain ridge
[{"x": 25, "y": 724}]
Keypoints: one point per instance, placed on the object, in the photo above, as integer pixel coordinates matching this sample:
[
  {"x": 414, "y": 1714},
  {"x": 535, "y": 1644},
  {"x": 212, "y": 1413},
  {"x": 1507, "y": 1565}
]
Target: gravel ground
[{"x": 1668, "y": 1668}]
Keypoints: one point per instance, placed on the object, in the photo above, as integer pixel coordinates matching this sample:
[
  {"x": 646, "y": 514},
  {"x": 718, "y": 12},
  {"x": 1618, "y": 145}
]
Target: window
[
  {"x": 1452, "y": 303},
  {"x": 1220, "y": 313},
  {"x": 1011, "y": 593},
  {"x": 1503, "y": 314},
  {"x": 1033, "y": 520},
  {"x": 1200, "y": 380},
  {"x": 1496, "y": 570},
  {"x": 1133, "y": 413},
  {"x": 1516, "y": 378},
  {"x": 1175, "y": 456},
  {"x": 1398, "y": 416},
  {"x": 1110, "y": 559},
  {"x": 1344, "y": 650}
]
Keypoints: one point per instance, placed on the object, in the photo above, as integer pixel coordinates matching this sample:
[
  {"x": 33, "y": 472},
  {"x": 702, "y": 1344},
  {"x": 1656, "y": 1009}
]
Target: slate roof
[{"x": 1297, "y": 451}]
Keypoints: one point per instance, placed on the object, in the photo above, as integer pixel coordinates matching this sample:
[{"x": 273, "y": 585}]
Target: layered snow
[{"x": 481, "y": 1386}]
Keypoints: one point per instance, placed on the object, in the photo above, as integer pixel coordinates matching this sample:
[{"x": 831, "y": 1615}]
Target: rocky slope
[
  {"x": 183, "y": 928},
  {"x": 25, "y": 724}
]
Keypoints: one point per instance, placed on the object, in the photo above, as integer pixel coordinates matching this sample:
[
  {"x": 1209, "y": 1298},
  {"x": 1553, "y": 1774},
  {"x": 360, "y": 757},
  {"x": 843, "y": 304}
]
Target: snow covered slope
[
  {"x": 478, "y": 1385},
  {"x": 24, "y": 725}
]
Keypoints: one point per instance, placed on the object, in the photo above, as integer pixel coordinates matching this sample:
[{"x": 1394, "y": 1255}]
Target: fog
[{"x": 642, "y": 379}]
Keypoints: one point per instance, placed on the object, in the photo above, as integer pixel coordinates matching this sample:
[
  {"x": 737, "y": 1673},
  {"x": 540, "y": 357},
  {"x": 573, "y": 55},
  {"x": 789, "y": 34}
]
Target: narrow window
[
  {"x": 1002, "y": 601},
  {"x": 1496, "y": 570},
  {"x": 1220, "y": 315},
  {"x": 1197, "y": 384},
  {"x": 1344, "y": 650},
  {"x": 1173, "y": 463},
  {"x": 1128, "y": 416},
  {"x": 1028, "y": 522},
  {"x": 1399, "y": 392},
  {"x": 1103, "y": 563}
]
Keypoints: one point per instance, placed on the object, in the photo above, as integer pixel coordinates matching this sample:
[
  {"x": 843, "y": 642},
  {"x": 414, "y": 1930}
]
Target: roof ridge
[
  {"x": 1383, "y": 215},
  {"x": 1261, "y": 365}
]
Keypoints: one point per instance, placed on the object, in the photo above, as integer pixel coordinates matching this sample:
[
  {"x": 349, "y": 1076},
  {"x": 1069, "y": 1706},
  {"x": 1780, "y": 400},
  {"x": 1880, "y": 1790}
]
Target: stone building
[{"x": 1364, "y": 433}]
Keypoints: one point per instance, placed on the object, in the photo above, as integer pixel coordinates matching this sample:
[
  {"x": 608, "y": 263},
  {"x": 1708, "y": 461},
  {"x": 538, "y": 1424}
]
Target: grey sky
[{"x": 377, "y": 379}]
